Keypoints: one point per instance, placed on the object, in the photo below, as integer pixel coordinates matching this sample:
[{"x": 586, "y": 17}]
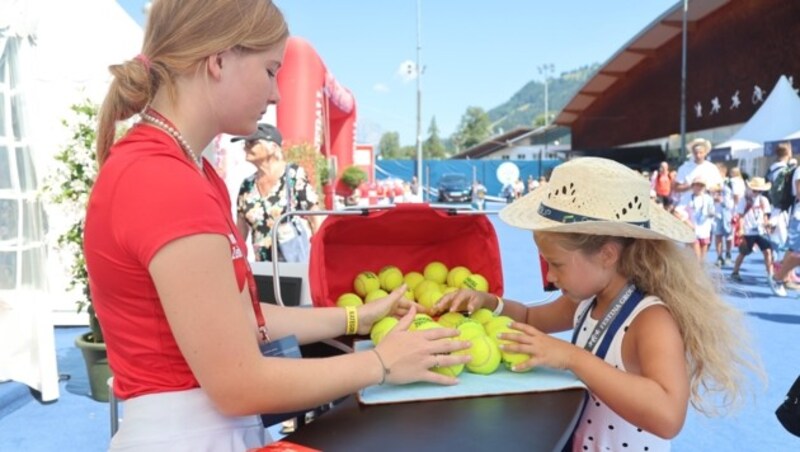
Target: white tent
[
  {"x": 53, "y": 54},
  {"x": 775, "y": 119},
  {"x": 792, "y": 136}
]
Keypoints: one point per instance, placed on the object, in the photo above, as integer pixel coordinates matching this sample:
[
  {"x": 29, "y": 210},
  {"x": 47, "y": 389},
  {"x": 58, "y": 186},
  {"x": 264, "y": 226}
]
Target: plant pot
[{"x": 94, "y": 355}]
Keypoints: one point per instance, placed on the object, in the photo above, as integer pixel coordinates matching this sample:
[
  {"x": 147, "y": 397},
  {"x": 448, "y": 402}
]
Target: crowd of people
[
  {"x": 728, "y": 209},
  {"x": 514, "y": 190}
]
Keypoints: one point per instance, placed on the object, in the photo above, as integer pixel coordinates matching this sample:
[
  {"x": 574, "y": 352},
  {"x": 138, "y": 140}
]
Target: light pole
[
  {"x": 682, "y": 152},
  {"x": 419, "y": 102},
  {"x": 546, "y": 70}
]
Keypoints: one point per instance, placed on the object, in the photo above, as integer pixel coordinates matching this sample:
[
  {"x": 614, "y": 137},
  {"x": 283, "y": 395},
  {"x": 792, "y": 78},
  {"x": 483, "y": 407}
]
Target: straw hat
[
  {"x": 759, "y": 184},
  {"x": 597, "y": 196}
]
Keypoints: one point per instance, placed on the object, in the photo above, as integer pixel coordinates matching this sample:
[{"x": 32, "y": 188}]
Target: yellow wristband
[{"x": 352, "y": 320}]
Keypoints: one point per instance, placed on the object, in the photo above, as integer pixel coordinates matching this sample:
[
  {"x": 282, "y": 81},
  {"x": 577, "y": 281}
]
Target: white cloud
[
  {"x": 380, "y": 88},
  {"x": 407, "y": 71}
]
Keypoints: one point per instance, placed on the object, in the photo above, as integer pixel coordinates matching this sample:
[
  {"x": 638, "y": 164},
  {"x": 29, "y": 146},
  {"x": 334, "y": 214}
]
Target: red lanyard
[{"x": 262, "y": 325}]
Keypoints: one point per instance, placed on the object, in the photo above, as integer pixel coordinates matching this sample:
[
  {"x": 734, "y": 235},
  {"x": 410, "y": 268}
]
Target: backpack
[{"x": 782, "y": 189}]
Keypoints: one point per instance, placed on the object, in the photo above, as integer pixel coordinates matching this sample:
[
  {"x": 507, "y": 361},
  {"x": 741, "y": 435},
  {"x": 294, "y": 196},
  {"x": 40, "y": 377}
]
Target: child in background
[
  {"x": 755, "y": 226},
  {"x": 701, "y": 213},
  {"x": 612, "y": 252},
  {"x": 723, "y": 221}
]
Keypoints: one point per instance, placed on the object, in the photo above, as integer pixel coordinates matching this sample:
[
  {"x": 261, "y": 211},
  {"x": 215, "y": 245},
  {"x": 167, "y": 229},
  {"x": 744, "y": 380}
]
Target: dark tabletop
[{"x": 517, "y": 422}]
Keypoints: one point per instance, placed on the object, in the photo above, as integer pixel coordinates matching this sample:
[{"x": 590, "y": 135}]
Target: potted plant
[
  {"x": 68, "y": 186},
  {"x": 352, "y": 178}
]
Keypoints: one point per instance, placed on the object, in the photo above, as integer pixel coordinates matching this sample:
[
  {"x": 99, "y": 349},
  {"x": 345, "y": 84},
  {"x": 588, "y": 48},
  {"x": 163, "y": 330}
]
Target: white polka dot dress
[{"x": 600, "y": 428}]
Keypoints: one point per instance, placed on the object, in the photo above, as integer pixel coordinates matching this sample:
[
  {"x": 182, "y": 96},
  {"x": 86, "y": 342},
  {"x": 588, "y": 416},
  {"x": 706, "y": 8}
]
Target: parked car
[{"x": 454, "y": 187}]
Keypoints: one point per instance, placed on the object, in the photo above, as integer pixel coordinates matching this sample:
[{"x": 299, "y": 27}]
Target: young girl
[
  {"x": 650, "y": 331},
  {"x": 701, "y": 212}
]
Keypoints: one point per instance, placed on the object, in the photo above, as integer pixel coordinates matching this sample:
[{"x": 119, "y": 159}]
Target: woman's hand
[
  {"x": 394, "y": 305},
  {"x": 409, "y": 356},
  {"x": 544, "y": 350},
  {"x": 462, "y": 300}
]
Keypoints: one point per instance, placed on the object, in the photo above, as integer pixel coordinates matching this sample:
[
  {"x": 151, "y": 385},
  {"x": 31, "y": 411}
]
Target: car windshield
[{"x": 453, "y": 179}]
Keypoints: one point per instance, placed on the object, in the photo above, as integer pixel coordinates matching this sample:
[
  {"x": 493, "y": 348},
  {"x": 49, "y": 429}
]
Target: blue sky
[{"x": 475, "y": 53}]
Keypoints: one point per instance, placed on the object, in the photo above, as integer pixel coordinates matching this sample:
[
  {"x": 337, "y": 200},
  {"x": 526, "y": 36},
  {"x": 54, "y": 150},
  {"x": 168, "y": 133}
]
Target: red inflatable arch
[{"x": 314, "y": 108}]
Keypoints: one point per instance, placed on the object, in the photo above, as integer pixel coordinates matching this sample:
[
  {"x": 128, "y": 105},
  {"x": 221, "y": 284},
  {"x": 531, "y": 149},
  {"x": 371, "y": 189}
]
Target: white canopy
[{"x": 55, "y": 53}]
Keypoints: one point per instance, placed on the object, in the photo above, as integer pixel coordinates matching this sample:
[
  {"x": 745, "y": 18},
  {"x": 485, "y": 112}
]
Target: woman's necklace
[{"x": 163, "y": 123}]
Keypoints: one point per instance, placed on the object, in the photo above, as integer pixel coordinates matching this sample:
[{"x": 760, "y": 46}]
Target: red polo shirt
[{"x": 146, "y": 195}]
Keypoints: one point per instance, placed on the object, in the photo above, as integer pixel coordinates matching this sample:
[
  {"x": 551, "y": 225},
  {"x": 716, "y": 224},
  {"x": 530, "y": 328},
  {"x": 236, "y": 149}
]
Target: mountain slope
[{"x": 528, "y": 103}]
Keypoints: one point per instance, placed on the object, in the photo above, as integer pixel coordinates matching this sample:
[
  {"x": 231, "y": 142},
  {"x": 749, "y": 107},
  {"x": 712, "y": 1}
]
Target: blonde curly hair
[{"x": 717, "y": 344}]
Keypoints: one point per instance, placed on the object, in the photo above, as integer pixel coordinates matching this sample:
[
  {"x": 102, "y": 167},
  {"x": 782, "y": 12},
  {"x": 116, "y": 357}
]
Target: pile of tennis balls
[
  {"x": 481, "y": 329},
  {"x": 426, "y": 288}
]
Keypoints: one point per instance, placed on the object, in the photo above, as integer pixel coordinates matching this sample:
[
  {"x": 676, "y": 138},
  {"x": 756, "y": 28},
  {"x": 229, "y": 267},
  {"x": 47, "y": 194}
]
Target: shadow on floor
[{"x": 779, "y": 318}]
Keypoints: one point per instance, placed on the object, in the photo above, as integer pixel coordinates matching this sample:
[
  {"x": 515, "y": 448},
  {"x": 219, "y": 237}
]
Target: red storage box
[{"x": 408, "y": 236}]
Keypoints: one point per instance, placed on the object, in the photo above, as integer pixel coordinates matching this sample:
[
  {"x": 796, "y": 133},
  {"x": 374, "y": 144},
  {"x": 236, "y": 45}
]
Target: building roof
[
  {"x": 644, "y": 45},
  {"x": 502, "y": 141}
]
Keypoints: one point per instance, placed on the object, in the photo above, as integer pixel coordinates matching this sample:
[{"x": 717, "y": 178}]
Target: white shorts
[{"x": 184, "y": 421}]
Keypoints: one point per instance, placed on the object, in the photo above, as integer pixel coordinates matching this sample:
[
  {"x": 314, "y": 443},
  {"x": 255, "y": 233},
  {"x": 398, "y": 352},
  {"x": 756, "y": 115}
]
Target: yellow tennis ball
[
  {"x": 374, "y": 295},
  {"x": 420, "y": 319},
  {"x": 409, "y": 295},
  {"x": 425, "y": 286},
  {"x": 386, "y": 267},
  {"x": 436, "y": 271},
  {"x": 412, "y": 279},
  {"x": 429, "y": 298},
  {"x": 475, "y": 282},
  {"x": 427, "y": 325},
  {"x": 449, "y": 290},
  {"x": 482, "y": 316},
  {"x": 365, "y": 283},
  {"x": 390, "y": 278},
  {"x": 510, "y": 359},
  {"x": 485, "y": 355},
  {"x": 348, "y": 299},
  {"x": 381, "y": 328},
  {"x": 494, "y": 323},
  {"x": 450, "y": 371},
  {"x": 470, "y": 328},
  {"x": 456, "y": 276},
  {"x": 451, "y": 319}
]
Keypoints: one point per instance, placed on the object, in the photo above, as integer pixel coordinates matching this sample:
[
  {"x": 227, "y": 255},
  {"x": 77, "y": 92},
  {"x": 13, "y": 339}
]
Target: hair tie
[{"x": 145, "y": 61}]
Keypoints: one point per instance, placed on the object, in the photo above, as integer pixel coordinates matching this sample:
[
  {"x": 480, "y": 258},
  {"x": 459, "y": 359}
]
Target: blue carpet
[
  {"x": 13, "y": 395},
  {"x": 77, "y": 423}
]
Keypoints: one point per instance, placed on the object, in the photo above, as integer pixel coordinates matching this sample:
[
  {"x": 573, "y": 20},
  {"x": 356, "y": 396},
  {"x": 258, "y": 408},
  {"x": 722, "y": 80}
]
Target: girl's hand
[
  {"x": 394, "y": 305},
  {"x": 544, "y": 349},
  {"x": 409, "y": 356},
  {"x": 462, "y": 300}
]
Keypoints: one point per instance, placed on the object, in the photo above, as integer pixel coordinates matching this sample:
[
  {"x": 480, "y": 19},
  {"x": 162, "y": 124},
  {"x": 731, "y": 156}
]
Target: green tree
[
  {"x": 408, "y": 153},
  {"x": 475, "y": 127},
  {"x": 389, "y": 146},
  {"x": 433, "y": 148}
]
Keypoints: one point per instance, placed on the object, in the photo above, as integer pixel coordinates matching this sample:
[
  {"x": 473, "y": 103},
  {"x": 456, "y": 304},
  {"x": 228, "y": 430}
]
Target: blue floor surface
[{"x": 77, "y": 423}]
